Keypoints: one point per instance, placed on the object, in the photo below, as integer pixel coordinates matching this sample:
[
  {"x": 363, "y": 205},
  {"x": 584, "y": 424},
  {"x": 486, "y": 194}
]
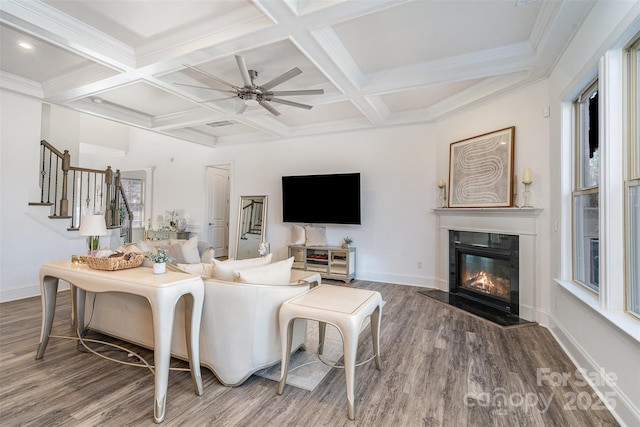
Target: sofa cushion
[
  {"x": 316, "y": 236},
  {"x": 202, "y": 269},
  {"x": 190, "y": 250},
  {"x": 225, "y": 270},
  {"x": 277, "y": 273}
]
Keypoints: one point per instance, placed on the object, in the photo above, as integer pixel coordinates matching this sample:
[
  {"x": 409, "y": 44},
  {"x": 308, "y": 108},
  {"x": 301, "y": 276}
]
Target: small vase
[{"x": 159, "y": 267}]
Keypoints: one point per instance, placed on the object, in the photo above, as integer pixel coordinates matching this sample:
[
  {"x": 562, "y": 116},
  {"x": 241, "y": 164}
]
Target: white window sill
[{"x": 623, "y": 321}]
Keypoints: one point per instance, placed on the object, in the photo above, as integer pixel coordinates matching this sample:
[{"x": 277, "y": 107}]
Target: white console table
[
  {"x": 161, "y": 290},
  {"x": 332, "y": 262}
]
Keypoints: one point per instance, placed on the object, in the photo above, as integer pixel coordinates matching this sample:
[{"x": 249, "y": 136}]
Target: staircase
[{"x": 90, "y": 191}]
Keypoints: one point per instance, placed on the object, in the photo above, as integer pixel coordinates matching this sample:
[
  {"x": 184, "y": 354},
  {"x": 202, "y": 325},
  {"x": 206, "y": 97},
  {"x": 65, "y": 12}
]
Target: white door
[{"x": 218, "y": 209}]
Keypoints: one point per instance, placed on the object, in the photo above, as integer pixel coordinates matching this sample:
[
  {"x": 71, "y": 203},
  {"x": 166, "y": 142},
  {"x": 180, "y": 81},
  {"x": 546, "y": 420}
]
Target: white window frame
[
  {"x": 578, "y": 172},
  {"x": 610, "y": 303},
  {"x": 632, "y": 153}
]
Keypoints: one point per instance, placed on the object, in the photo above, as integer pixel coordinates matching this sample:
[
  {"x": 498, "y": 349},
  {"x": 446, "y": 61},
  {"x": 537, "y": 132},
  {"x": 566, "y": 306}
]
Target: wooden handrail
[
  {"x": 87, "y": 184},
  {"x": 76, "y": 168},
  {"x": 52, "y": 148}
]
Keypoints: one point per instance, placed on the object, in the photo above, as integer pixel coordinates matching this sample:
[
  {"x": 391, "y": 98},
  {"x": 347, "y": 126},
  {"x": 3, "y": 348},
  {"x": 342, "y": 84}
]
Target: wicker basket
[{"x": 129, "y": 260}]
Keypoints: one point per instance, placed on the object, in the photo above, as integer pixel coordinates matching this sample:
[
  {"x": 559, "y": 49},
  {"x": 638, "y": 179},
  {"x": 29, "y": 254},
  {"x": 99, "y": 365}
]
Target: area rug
[{"x": 306, "y": 370}]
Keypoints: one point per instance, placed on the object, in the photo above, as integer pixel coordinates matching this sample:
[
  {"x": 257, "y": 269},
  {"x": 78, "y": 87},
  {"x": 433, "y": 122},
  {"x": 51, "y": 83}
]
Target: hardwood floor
[{"x": 441, "y": 367}]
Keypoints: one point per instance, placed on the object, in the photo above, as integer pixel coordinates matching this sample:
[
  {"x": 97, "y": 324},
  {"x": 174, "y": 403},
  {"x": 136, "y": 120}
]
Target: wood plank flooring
[{"x": 441, "y": 367}]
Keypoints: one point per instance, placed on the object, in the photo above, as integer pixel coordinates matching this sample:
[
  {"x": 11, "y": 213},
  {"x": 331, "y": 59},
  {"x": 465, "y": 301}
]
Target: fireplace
[{"x": 484, "y": 267}]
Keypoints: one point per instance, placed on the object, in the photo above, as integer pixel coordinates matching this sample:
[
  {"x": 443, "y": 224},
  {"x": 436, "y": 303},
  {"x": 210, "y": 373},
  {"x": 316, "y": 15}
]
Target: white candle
[
  {"x": 440, "y": 184},
  {"x": 526, "y": 176}
]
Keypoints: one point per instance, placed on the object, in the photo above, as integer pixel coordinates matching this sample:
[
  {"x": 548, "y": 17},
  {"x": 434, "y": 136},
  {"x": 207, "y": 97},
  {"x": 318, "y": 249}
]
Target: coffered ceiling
[{"x": 379, "y": 62}]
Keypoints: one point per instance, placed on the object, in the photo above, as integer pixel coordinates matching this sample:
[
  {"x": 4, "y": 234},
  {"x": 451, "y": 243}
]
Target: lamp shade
[{"x": 93, "y": 225}]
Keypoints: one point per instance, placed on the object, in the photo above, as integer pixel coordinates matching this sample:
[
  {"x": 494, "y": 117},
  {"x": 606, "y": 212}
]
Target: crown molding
[{"x": 20, "y": 85}]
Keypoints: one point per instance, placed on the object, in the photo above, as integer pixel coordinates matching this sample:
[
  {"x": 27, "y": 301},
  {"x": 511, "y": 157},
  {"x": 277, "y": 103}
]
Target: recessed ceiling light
[
  {"x": 25, "y": 45},
  {"x": 97, "y": 100}
]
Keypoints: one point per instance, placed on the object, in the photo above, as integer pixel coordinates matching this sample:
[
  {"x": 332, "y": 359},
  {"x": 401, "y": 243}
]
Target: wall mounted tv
[{"x": 321, "y": 199}]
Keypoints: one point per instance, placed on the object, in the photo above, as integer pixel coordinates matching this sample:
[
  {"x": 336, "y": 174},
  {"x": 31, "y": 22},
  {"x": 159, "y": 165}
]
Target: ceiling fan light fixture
[{"x": 251, "y": 100}]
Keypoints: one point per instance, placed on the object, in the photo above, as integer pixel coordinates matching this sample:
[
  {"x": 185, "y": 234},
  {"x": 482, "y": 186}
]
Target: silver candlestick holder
[{"x": 443, "y": 193}]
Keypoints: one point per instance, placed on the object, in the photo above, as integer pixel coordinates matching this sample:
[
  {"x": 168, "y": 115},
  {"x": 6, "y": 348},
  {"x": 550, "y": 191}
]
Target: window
[
  {"x": 586, "y": 212},
  {"x": 632, "y": 184},
  {"x": 134, "y": 191}
]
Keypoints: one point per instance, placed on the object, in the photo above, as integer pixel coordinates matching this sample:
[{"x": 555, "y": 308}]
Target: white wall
[
  {"x": 177, "y": 170},
  {"x": 398, "y": 189},
  {"x": 593, "y": 341},
  {"x": 27, "y": 237}
]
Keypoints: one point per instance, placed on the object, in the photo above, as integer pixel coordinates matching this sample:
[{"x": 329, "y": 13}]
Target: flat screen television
[{"x": 321, "y": 199}]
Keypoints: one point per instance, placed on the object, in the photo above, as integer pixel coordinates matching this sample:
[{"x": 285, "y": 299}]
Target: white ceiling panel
[
  {"x": 424, "y": 31},
  {"x": 146, "y": 99},
  {"x": 424, "y": 97},
  {"x": 333, "y": 112},
  {"x": 136, "y": 22},
  {"x": 44, "y": 62}
]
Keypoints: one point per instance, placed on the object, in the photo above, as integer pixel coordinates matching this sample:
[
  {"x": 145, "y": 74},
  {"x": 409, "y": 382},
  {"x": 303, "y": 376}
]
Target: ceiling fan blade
[
  {"x": 240, "y": 106},
  {"x": 297, "y": 92},
  {"x": 210, "y": 76},
  {"x": 269, "y": 108},
  {"x": 293, "y": 104},
  {"x": 244, "y": 72},
  {"x": 205, "y": 88},
  {"x": 282, "y": 78}
]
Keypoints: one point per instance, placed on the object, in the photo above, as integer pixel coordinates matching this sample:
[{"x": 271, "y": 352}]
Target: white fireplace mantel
[
  {"x": 522, "y": 222},
  {"x": 497, "y": 220}
]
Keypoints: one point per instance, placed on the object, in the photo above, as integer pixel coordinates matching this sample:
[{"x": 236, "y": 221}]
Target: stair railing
[{"x": 92, "y": 190}]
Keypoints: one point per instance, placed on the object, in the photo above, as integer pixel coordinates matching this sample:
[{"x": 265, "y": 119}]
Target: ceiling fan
[{"x": 252, "y": 94}]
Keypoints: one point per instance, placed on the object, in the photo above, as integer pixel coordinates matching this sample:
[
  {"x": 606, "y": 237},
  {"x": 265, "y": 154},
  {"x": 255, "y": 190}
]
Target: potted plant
[
  {"x": 160, "y": 258},
  {"x": 346, "y": 242}
]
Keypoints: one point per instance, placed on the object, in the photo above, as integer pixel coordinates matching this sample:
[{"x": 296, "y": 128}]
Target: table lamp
[{"x": 93, "y": 226}]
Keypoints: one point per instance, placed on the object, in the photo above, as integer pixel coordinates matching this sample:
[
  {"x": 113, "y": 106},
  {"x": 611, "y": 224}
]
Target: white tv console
[{"x": 332, "y": 262}]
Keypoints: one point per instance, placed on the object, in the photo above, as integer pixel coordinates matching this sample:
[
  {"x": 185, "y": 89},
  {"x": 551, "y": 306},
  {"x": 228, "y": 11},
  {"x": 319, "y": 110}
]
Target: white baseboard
[{"x": 26, "y": 291}]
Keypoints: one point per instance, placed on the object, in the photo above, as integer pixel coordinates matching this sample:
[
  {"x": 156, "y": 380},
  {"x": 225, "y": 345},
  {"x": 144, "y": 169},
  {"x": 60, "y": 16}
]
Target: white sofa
[{"x": 239, "y": 333}]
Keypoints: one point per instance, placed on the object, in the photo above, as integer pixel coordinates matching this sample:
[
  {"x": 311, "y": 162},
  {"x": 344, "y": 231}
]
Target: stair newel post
[
  {"x": 108, "y": 179},
  {"x": 116, "y": 196},
  {"x": 66, "y": 165}
]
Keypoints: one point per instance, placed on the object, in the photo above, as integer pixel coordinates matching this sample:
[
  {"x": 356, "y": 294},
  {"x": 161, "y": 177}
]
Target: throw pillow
[
  {"x": 144, "y": 246},
  {"x": 225, "y": 270},
  {"x": 297, "y": 235},
  {"x": 129, "y": 247},
  {"x": 201, "y": 269},
  {"x": 190, "y": 250},
  {"x": 208, "y": 255},
  {"x": 175, "y": 252},
  {"x": 316, "y": 236},
  {"x": 277, "y": 273}
]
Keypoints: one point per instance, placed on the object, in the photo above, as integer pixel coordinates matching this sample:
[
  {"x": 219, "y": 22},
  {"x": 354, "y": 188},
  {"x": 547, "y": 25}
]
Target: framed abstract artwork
[{"x": 481, "y": 170}]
